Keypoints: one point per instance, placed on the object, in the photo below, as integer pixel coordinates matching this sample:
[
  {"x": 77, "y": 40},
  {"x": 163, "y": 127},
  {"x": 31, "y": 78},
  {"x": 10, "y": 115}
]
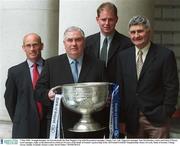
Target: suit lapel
[
  {"x": 149, "y": 59},
  {"x": 27, "y": 73},
  {"x": 132, "y": 63},
  {"x": 97, "y": 45},
  {"x": 113, "y": 46},
  {"x": 84, "y": 69},
  {"x": 67, "y": 69},
  {"x": 27, "y": 83}
]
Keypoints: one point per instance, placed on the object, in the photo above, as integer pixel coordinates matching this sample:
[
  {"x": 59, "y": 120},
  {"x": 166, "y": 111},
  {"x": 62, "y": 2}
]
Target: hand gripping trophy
[{"x": 85, "y": 98}]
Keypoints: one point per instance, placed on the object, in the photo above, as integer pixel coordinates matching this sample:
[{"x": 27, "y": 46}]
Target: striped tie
[
  {"x": 139, "y": 63},
  {"x": 103, "y": 55}
]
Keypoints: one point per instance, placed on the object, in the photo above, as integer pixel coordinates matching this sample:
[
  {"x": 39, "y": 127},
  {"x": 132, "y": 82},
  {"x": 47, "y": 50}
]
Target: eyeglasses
[{"x": 35, "y": 45}]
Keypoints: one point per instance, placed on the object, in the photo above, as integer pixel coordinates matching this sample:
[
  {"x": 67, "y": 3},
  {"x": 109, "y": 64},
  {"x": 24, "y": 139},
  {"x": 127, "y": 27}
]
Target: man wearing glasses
[{"x": 26, "y": 114}]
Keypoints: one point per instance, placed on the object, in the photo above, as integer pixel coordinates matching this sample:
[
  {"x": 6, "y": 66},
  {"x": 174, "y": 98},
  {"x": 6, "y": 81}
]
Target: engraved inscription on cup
[{"x": 85, "y": 98}]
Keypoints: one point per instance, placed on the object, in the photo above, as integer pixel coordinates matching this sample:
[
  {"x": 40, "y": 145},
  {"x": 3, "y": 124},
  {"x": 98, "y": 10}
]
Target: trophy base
[{"x": 86, "y": 127}]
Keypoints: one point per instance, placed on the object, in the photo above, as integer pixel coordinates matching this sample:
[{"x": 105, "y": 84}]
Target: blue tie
[{"x": 74, "y": 69}]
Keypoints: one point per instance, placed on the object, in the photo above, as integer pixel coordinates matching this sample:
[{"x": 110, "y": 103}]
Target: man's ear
[
  {"x": 23, "y": 48},
  {"x": 42, "y": 46}
]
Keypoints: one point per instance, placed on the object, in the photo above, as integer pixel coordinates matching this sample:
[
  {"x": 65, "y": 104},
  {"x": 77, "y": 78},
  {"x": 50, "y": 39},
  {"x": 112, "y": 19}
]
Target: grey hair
[
  {"x": 73, "y": 28},
  {"x": 34, "y": 34},
  {"x": 137, "y": 20}
]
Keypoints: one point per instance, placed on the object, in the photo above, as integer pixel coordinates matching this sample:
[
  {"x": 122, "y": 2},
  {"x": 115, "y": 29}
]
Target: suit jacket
[
  {"x": 155, "y": 93},
  {"x": 57, "y": 71},
  {"x": 20, "y": 102},
  {"x": 119, "y": 43}
]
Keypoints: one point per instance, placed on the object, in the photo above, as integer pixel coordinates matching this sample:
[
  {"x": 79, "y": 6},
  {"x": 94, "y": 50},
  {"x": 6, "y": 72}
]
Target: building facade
[{"x": 49, "y": 18}]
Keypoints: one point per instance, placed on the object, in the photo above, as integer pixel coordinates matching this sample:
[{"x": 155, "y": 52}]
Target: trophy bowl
[{"x": 85, "y": 98}]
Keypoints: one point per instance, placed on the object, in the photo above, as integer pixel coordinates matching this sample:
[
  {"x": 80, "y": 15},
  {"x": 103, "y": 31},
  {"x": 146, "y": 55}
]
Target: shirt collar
[
  {"x": 144, "y": 50},
  {"x": 39, "y": 62},
  {"x": 78, "y": 59},
  {"x": 109, "y": 37}
]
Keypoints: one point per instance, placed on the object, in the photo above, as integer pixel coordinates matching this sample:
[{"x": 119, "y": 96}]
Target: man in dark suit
[
  {"x": 107, "y": 18},
  {"x": 19, "y": 98},
  {"x": 58, "y": 71},
  {"x": 147, "y": 74}
]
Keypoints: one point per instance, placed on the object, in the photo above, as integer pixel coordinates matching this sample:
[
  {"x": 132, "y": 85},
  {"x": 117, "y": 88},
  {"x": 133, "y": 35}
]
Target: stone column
[
  {"x": 82, "y": 13},
  {"x": 130, "y": 8},
  {"x": 18, "y": 17}
]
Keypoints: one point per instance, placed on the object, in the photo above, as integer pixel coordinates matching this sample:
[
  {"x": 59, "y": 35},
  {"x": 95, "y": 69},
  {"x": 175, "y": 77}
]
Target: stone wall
[
  {"x": 167, "y": 27},
  {"x": 167, "y": 32},
  {"x": 18, "y": 17}
]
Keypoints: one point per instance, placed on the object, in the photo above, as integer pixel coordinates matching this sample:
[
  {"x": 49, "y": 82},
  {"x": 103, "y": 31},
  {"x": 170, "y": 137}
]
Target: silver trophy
[{"x": 85, "y": 98}]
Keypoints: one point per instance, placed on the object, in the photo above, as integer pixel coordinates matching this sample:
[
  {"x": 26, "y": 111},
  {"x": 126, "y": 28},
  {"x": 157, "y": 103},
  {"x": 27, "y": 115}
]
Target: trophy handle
[{"x": 54, "y": 89}]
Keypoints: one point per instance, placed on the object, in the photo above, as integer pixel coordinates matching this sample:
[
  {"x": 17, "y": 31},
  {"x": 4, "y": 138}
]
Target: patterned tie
[
  {"x": 139, "y": 63},
  {"x": 103, "y": 55},
  {"x": 74, "y": 69},
  {"x": 35, "y": 78}
]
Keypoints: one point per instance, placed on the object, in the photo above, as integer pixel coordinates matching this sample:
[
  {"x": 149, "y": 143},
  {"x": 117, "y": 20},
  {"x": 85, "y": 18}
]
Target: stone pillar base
[{"x": 6, "y": 129}]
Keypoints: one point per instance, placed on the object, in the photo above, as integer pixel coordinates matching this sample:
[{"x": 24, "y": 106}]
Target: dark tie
[
  {"x": 103, "y": 55},
  {"x": 34, "y": 80},
  {"x": 139, "y": 63},
  {"x": 74, "y": 69}
]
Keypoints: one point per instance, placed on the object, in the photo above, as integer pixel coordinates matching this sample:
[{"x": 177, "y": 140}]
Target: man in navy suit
[
  {"x": 58, "y": 71},
  {"x": 107, "y": 19},
  {"x": 147, "y": 74},
  {"x": 19, "y": 99}
]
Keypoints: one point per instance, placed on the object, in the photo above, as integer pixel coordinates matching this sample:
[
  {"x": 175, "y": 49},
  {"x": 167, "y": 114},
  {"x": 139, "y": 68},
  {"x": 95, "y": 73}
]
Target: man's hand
[
  {"x": 51, "y": 94},
  {"x": 123, "y": 128}
]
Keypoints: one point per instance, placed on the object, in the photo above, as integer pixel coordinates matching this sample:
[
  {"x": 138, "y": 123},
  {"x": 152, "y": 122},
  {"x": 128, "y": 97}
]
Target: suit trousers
[
  {"x": 147, "y": 130},
  {"x": 43, "y": 128}
]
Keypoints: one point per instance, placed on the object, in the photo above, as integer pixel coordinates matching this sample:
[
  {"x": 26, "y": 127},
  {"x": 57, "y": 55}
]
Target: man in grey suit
[
  {"x": 147, "y": 74},
  {"x": 58, "y": 71},
  {"x": 107, "y": 19},
  {"x": 19, "y": 99}
]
